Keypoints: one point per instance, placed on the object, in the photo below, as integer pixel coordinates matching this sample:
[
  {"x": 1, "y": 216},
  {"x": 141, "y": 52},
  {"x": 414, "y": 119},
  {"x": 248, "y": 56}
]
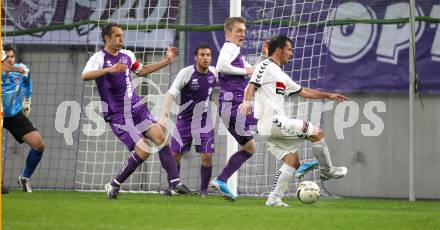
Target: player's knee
[
  {"x": 291, "y": 160},
  {"x": 142, "y": 149},
  {"x": 177, "y": 157},
  {"x": 206, "y": 159},
  {"x": 38, "y": 145},
  {"x": 318, "y": 135},
  {"x": 142, "y": 153},
  {"x": 293, "y": 164},
  {"x": 159, "y": 139},
  {"x": 250, "y": 146}
]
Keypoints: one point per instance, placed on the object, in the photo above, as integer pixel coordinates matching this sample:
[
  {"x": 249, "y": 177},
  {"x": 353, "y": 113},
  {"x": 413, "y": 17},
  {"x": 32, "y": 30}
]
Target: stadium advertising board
[
  {"x": 66, "y": 12},
  {"x": 374, "y": 58},
  {"x": 363, "y": 57}
]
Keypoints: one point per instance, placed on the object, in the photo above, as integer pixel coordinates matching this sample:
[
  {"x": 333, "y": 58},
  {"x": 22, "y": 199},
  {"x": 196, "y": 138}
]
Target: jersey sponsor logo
[
  {"x": 280, "y": 88},
  {"x": 194, "y": 84},
  {"x": 109, "y": 63},
  {"x": 129, "y": 91}
]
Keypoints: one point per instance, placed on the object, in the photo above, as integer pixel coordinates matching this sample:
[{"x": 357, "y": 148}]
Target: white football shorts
[{"x": 284, "y": 135}]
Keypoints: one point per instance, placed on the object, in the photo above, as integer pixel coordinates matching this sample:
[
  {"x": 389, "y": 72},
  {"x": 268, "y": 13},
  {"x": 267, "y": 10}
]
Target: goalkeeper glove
[
  {"x": 25, "y": 68},
  {"x": 27, "y": 106}
]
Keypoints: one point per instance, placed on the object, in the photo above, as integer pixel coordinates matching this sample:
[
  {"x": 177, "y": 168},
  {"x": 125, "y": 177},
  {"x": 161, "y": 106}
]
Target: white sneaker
[
  {"x": 112, "y": 192},
  {"x": 25, "y": 183},
  {"x": 278, "y": 203},
  {"x": 334, "y": 173}
]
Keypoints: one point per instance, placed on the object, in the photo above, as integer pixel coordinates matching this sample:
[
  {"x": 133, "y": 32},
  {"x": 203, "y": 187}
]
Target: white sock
[
  {"x": 281, "y": 182},
  {"x": 320, "y": 151}
]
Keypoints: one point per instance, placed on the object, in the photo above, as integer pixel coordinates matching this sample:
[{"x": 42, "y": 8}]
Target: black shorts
[{"x": 19, "y": 125}]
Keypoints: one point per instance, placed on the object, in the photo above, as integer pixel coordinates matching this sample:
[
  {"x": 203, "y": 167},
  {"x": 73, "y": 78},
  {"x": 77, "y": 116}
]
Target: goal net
[
  {"x": 306, "y": 23},
  {"x": 82, "y": 153}
]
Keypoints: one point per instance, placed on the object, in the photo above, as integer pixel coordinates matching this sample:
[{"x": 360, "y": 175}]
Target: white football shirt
[{"x": 272, "y": 86}]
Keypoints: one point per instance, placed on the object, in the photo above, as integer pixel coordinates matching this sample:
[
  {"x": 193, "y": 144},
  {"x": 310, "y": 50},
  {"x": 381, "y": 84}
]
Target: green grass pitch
[{"x": 81, "y": 210}]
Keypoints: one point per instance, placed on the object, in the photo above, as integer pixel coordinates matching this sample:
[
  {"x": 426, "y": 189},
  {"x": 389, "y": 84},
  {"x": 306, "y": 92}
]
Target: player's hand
[
  {"x": 19, "y": 70},
  {"x": 163, "y": 120},
  {"x": 337, "y": 97},
  {"x": 249, "y": 70},
  {"x": 23, "y": 69},
  {"x": 172, "y": 53},
  {"x": 118, "y": 67},
  {"x": 265, "y": 48},
  {"x": 26, "y": 106},
  {"x": 245, "y": 108}
]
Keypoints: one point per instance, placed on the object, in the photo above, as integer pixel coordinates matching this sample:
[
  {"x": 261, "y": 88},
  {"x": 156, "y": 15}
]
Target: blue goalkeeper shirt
[{"x": 14, "y": 87}]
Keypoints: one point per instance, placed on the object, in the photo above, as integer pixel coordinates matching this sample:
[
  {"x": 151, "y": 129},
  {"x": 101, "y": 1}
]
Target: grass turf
[{"x": 78, "y": 210}]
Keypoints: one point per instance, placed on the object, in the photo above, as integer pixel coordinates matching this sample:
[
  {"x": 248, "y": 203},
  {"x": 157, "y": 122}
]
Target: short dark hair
[
  {"x": 229, "y": 23},
  {"x": 201, "y": 46},
  {"x": 8, "y": 48},
  {"x": 107, "y": 29},
  {"x": 278, "y": 42}
]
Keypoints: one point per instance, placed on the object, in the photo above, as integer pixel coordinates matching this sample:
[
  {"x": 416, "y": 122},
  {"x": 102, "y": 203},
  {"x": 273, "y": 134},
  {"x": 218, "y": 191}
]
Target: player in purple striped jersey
[
  {"x": 194, "y": 121},
  {"x": 129, "y": 119},
  {"x": 233, "y": 69}
]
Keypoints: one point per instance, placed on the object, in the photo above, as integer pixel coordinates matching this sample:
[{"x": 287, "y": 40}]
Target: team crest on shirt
[
  {"x": 211, "y": 79},
  {"x": 16, "y": 79},
  {"x": 124, "y": 60},
  {"x": 280, "y": 88}
]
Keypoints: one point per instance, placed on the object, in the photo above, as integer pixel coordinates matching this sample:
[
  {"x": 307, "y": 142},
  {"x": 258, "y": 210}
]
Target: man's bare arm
[
  {"x": 315, "y": 94},
  {"x": 172, "y": 53},
  {"x": 246, "y": 106}
]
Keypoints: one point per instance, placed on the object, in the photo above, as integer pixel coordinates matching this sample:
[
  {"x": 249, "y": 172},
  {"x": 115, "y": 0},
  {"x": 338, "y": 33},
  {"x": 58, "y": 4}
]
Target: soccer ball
[{"x": 308, "y": 192}]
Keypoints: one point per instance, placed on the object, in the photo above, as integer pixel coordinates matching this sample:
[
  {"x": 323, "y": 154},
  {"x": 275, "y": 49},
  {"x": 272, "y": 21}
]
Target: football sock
[
  {"x": 281, "y": 182},
  {"x": 169, "y": 164},
  {"x": 33, "y": 158},
  {"x": 205, "y": 177},
  {"x": 234, "y": 164},
  {"x": 129, "y": 166},
  {"x": 320, "y": 151}
]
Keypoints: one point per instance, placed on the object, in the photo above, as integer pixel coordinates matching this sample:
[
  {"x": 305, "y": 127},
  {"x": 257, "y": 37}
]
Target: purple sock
[
  {"x": 129, "y": 166},
  {"x": 169, "y": 164},
  {"x": 178, "y": 170},
  {"x": 234, "y": 164},
  {"x": 205, "y": 177}
]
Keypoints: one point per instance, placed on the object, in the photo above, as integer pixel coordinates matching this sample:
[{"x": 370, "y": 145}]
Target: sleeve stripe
[
  {"x": 256, "y": 84},
  {"x": 290, "y": 94}
]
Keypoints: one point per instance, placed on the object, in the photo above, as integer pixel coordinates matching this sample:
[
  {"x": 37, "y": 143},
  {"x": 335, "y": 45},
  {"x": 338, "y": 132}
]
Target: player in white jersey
[{"x": 283, "y": 135}]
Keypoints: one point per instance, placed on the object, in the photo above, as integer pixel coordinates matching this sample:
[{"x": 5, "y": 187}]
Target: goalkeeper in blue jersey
[{"x": 16, "y": 102}]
